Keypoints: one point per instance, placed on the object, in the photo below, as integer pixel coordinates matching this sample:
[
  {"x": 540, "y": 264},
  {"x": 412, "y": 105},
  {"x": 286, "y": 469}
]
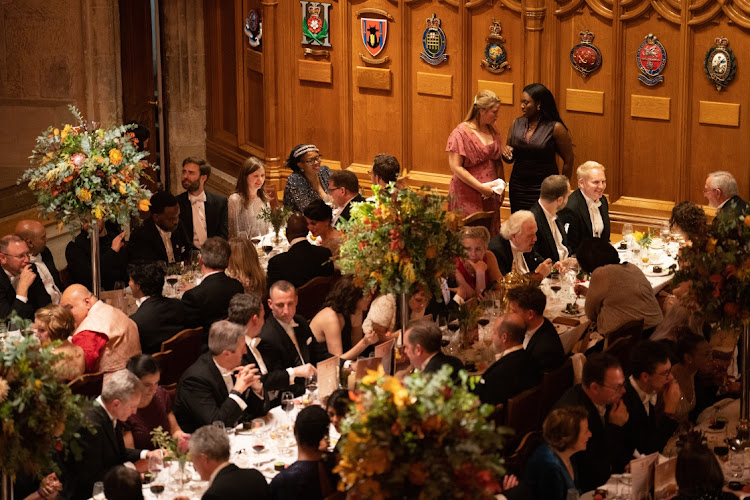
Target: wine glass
[
  {"x": 287, "y": 403},
  {"x": 98, "y": 491},
  {"x": 157, "y": 485},
  {"x": 155, "y": 466},
  {"x": 627, "y": 232},
  {"x": 665, "y": 233}
]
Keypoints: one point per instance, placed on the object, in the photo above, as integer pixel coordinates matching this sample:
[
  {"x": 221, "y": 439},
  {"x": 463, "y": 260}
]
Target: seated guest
[
  {"x": 203, "y": 214},
  {"x": 309, "y": 478},
  {"x": 422, "y": 347},
  {"x": 688, "y": 220},
  {"x": 694, "y": 356},
  {"x": 343, "y": 186},
  {"x": 308, "y": 180},
  {"x": 587, "y": 213},
  {"x": 514, "y": 247},
  {"x": 21, "y": 288},
  {"x": 552, "y": 238},
  {"x": 209, "y": 452},
  {"x": 209, "y": 301},
  {"x": 617, "y": 293},
  {"x": 384, "y": 315},
  {"x": 35, "y": 235},
  {"x": 107, "y": 336},
  {"x": 303, "y": 261},
  {"x": 721, "y": 191},
  {"x": 162, "y": 237},
  {"x": 338, "y": 407},
  {"x": 285, "y": 336},
  {"x": 385, "y": 169},
  {"x": 319, "y": 218},
  {"x": 249, "y": 200},
  {"x": 158, "y": 318},
  {"x": 541, "y": 340},
  {"x": 102, "y": 446},
  {"x": 246, "y": 309},
  {"x": 479, "y": 270},
  {"x": 649, "y": 429},
  {"x": 122, "y": 483},
  {"x": 600, "y": 394},
  {"x": 550, "y": 472},
  {"x": 338, "y": 326},
  {"x": 698, "y": 473},
  {"x": 211, "y": 389},
  {"x": 112, "y": 261},
  {"x": 56, "y": 323},
  {"x": 244, "y": 266},
  {"x": 515, "y": 371},
  {"x": 154, "y": 409}
]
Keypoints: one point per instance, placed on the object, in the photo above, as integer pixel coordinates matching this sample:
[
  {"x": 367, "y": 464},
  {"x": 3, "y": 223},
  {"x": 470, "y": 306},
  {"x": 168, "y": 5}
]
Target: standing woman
[
  {"x": 534, "y": 140},
  {"x": 248, "y": 199},
  {"x": 309, "y": 179},
  {"x": 474, "y": 149}
]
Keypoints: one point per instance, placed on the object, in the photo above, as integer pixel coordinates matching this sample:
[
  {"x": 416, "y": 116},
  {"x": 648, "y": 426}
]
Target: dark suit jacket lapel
[
  {"x": 546, "y": 235},
  {"x": 154, "y": 238},
  {"x": 604, "y": 211},
  {"x": 583, "y": 210},
  {"x": 106, "y": 426},
  {"x": 561, "y": 228},
  {"x": 212, "y": 214},
  {"x": 186, "y": 213},
  {"x": 216, "y": 376},
  {"x": 286, "y": 343}
]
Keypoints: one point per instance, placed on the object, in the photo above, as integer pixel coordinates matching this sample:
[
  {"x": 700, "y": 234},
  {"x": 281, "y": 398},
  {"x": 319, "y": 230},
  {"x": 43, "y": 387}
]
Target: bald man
[
  {"x": 34, "y": 234},
  {"x": 107, "y": 336}
]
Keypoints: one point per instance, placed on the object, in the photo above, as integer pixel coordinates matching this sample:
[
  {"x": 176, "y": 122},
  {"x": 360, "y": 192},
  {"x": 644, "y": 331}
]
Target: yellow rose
[
  {"x": 373, "y": 376},
  {"x": 408, "y": 269},
  {"x": 56, "y": 131},
  {"x": 84, "y": 194},
  {"x": 98, "y": 212},
  {"x": 122, "y": 188},
  {"x": 143, "y": 205},
  {"x": 115, "y": 156}
]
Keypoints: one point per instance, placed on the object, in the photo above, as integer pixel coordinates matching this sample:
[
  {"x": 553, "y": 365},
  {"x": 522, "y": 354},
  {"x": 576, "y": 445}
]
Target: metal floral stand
[
  {"x": 742, "y": 440},
  {"x": 96, "y": 281}
]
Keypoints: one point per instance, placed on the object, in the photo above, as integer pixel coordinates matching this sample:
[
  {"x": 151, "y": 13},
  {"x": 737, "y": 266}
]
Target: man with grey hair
[
  {"x": 209, "y": 301},
  {"x": 586, "y": 214},
  {"x": 102, "y": 446},
  {"x": 552, "y": 238},
  {"x": 217, "y": 387},
  {"x": 422, "y": 347},
  {"x": 21, "y": 288},
  {"x": 514, "y": 246},
  {"x": 722, "y": 193},
  {"x": 209, "y": 452}
]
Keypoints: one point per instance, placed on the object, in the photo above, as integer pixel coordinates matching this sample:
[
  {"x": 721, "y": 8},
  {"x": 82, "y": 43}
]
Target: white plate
[
  {"x": 580, "y": 313},
  {"x": 651, "y": 274}
]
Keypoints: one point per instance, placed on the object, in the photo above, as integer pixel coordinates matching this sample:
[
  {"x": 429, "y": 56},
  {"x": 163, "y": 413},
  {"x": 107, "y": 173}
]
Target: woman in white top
[
  {"x": 248, "y": 200},
  {"x": 384, "y": 316}
]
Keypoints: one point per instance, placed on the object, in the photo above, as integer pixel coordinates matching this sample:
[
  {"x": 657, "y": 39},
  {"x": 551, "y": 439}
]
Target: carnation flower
[{"x": 78, "y": 159}]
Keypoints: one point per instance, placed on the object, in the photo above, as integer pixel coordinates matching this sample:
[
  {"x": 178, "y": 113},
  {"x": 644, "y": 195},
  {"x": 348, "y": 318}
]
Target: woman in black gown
[{"x": 534, "y": 141}]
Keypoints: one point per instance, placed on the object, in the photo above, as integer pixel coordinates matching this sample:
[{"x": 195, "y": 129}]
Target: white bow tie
[
  {"x": 596, "y": 204},
  {"x": 195, "y": 199}
]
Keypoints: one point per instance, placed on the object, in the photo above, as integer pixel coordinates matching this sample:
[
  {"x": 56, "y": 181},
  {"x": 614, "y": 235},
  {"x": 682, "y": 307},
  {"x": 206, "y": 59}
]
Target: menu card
[
  {"x": 328, "y": 377},
  {"x": 385, "y": 352},
  {"x": 642, "y": 475},
  {"x": 665, "y": 482},
  {"x": 365, "y": 364}
]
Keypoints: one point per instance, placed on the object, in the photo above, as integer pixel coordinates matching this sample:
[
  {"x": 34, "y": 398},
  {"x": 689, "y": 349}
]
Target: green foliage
[{"x": 276, "y": 216}]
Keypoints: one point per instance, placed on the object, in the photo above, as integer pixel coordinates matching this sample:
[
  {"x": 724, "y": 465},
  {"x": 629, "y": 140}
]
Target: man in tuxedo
[
  {"x": 204, "y": 214},
  {"x": 541, "y": 340},
  {"x": 285, "y": 336},
  {"x": 721, "y": 191},
  {"x": 515, "y": 371},
  {"x": 102, "y": 447},
  {"x": 586, "y": 214},
  {"x": 113, "y": 260},
  {"x": 385, "y": 169},
  {"x": 422, "y": 347},
  {"x": 600, "y": 393},
  {"x": 303, "y": 261},
  {"x": 35, "y": 235},
  {"x": 649, "y": 428},
  {"x": 217, "y": 387},
  {"x": 158, "y": 318},
  {"x": 209, "y": 452},
  {"x": 162, "y": 237},
  {"x": 209, "y": 301},
  {"x": 514, "y": 246},
  {"x": 21, "y": 288},
  {"x": 551, "y": 236},
  {"x": 246, "y": 309},
  {"x": 343, "y": 187}
]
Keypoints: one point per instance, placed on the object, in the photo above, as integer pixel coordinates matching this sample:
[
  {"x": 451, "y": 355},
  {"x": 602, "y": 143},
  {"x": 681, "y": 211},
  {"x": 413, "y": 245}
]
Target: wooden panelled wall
[{"x": 657, "y": 143}]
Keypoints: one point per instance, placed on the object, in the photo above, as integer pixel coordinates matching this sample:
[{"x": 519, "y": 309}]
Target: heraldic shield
[{"x": 374, "y": 33}]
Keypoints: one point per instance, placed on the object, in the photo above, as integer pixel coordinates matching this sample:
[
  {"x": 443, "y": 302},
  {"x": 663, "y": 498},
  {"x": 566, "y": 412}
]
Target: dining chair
[
  {"x": 88, "y": 384},
  {"x": 522, "y": 413},
  {"x": 516, "y": 462},
  {"x": 311, "y": 295},
  {"x": 168, "y": 366},
  {"x": 554, "y": 385},
  {"x": 483, "y": 219},
  {"x": 186, "y": 347}
]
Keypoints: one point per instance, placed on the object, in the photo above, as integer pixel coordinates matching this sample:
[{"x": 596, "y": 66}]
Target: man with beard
[{"x": 203, "y": 214}]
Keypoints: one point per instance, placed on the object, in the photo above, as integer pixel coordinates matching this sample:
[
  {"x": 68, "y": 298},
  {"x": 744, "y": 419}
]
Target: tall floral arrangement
[
  {"x": 403, "y": 239},
  {"x": 81, "y": 172},
  {"x": 426, "y": 438}
]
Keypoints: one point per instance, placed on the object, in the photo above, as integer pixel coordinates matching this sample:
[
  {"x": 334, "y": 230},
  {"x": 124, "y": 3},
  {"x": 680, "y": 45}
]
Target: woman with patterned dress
[
  {"x": 534, "y": 141},
  {"x": 247, "y": 201},
  {"x": 474, "y": 149},
  {"x": 309, "y": 179}
]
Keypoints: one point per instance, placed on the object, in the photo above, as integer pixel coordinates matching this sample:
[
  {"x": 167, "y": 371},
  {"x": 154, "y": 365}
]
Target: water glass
[
  {"x": 736, "y": 464},
  {"x": 627, "y": 232},
  {"x": 98, "y": 491}
]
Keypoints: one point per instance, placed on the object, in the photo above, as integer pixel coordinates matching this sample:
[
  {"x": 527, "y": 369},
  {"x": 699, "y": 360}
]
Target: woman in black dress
[{"x": 534, "y": 140}]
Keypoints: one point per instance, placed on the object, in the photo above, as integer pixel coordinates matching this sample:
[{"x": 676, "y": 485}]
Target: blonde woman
[
  {"x": 474, "y": 150},
  {"x": 53, "y": 323},
  {"x": 479, "y": 270},
  {"x": 248, "y": 200},
  {"x": 244, "y": 266}
]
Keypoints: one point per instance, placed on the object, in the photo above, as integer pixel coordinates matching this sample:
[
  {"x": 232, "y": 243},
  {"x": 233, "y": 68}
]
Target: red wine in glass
[
  {"x": 484, "y": 321},
  {"x": 267, "y": 248},
  {"x": 453, "y": 327},
  {"x": 172, "y": 280},
  {"x": 555, "y": 288},
  {"x": 258, "y": 447},
  {"x": 157, "y": 489}
]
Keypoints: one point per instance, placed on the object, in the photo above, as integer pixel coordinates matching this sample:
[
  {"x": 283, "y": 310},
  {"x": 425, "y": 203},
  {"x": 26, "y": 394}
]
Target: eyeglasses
[
  {"x": 664, "y": 373},
  {"x": 333, "y": 188},
  {"x": 312, "y": 161},
  {"x": 616, "y": 388},
  {"x": 22, "y": 256}
]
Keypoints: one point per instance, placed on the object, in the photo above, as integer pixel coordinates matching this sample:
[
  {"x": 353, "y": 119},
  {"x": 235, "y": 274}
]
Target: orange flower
[
  {"x": 711, "y": 245},
  {"x": 431, "y": 252},
  {"x": 747, "y": 221},
  {"x": 115, "y": 156},
  {"x": 143, "y": 205}
]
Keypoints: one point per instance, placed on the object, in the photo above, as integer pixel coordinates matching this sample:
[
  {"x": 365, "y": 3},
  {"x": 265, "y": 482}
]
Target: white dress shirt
[
  {"x": 14, "y": 284},
  {"x": 529, "y": 334},
  {"x": 166, "y": 238},
  {"x": 519, "y": 263},
  {"x": 227, "y": 376},
  {"x": 556, "y": 234},
  {"x": 646, "y": 399},
  {"x": 47, "y": 279},
  {"x": 112, "y": 419},
  {"x": 597, "y": 224},
  {"x": 198, "y": 205}
]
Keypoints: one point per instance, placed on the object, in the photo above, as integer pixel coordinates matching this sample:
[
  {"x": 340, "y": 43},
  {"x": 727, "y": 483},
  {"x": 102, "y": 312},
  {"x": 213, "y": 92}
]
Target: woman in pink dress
[{"x": 474, "y": 149}]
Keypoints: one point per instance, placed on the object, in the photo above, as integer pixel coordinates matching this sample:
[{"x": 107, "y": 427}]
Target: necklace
[{"x": 530, "y": 130}]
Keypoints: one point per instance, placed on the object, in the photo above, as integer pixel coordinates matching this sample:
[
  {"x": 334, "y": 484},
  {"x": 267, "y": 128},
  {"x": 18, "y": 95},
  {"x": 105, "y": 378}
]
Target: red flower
[
  {"x": 395, "y": 245},
  {"x": 183, "y": 443},
  {"x": 731, "y": 309},
  {"x": 730, "y": 270}
]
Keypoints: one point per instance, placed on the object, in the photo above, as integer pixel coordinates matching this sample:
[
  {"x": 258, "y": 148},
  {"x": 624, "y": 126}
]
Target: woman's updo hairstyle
[{"x": 482, "y": 101}]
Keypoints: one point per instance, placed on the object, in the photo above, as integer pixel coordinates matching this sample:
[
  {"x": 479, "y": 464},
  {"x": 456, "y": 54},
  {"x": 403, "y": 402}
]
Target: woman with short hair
[
  {"x": 55, "y": 323},
  {"x": 319, "y": 218},
  {"x": 479, "y": 271}
]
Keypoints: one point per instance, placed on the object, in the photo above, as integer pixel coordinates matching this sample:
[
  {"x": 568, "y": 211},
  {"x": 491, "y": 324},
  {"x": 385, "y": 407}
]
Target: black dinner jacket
[
  {"x": 346, "y": 212},
  {"x": 598, "y": 461},
  {"x": 277, "y": 378},
  {"x": 298, "y": 265},
  {"x": 733, "y": 207},
  {"x": 278, "y": 349},
  {"x": 209, "y": 301},
  {"x": 113, "y": 265},
  {"x": 146, "y": 244},
  {"x": 646, "y": 433},
  {"x": 37, "y": 297},
  {"x": 158, "y": 319},
  {"x": 576, "y": 215},
  {"x": 217, "y": 219},
  {"x": 102, "y": 449},
  {"x": 507, "y": 377},
  {"x": 202, "y": 398},
  {"x": 49, "y": 261},
  {"x": 545, "y": 347},
  {"x": 438, "y": 360},
  {"x": 545, "y": 242},
  {"x": 504, "y": 254},
  {"x": 233, "y": 482}
]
